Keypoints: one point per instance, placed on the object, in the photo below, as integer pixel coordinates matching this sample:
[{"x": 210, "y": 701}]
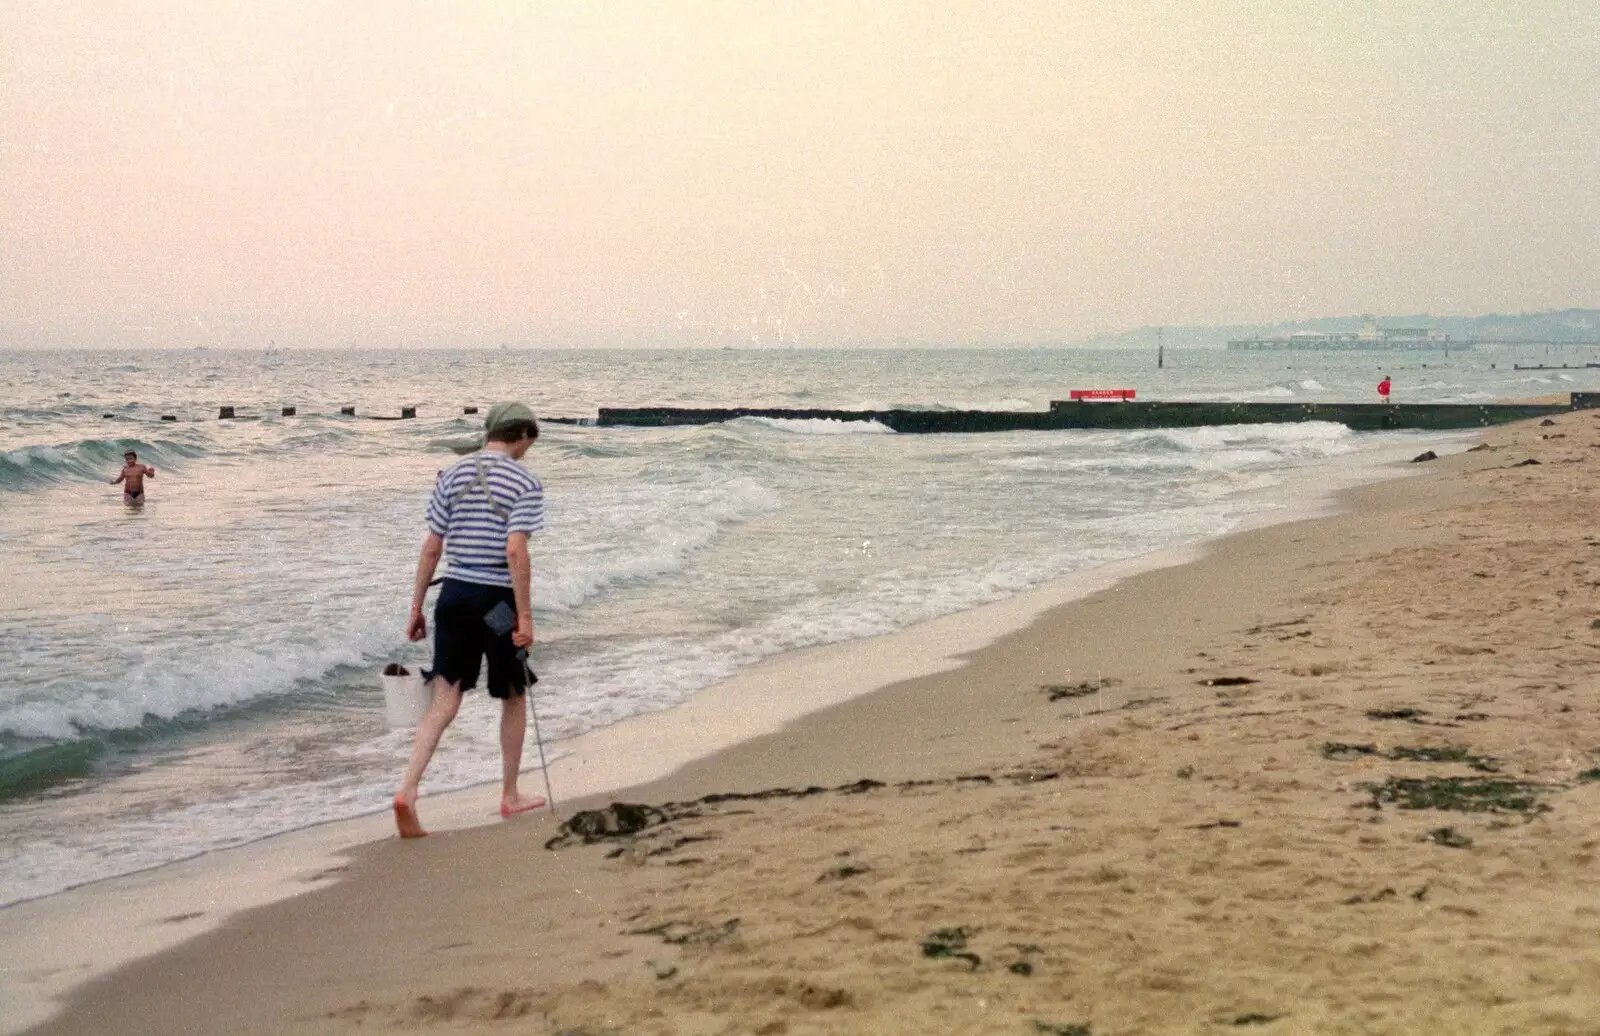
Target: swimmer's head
[{"x": 130, "y": 455}]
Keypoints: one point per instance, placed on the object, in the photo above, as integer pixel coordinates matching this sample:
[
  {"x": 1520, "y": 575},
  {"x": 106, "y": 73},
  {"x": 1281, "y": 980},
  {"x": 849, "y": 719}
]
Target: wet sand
[{"x": 1336, "y": 776}]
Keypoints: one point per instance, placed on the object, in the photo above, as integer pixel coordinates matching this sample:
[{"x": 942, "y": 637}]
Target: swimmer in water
[{"x": 133, "y": 474}]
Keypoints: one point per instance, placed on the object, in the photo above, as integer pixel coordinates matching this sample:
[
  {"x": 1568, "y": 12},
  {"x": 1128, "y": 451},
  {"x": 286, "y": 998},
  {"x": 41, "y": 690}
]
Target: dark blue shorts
[{"x": 462, "y": 640}]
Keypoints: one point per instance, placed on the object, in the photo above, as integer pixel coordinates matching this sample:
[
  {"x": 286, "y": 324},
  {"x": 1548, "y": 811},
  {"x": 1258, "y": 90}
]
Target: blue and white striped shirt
[{"x": 475, "y": 524}]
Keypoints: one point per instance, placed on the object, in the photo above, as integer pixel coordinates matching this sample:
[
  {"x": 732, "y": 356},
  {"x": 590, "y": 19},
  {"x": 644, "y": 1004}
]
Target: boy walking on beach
[
  {"x": 133, "y": 474},
  {"x": 1383, "y": 389},
  {"x": 484, "y": 507}
]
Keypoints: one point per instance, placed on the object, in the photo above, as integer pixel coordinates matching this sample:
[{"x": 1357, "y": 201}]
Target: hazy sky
[{"x": 318, "y": 173}]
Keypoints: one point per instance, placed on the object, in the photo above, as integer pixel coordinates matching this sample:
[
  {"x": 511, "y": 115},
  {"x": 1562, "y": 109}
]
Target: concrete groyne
[{"x": 1127, "y": 415}]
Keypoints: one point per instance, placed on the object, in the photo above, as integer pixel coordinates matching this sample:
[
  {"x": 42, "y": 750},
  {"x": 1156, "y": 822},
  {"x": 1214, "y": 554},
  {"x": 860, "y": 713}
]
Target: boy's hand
[
  {"x": 522, "y": 636},
  {"x": 417, "y": 628}
]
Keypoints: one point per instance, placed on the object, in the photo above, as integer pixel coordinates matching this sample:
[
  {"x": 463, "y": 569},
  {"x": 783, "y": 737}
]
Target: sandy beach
[{"x": 1339, "y": 775}]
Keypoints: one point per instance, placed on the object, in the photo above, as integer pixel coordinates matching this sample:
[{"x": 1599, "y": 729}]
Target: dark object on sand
[
  {"x": 224, "y": 413},
  {"x": 616, "y": 820},
  {"x": 1546, "y": 423},
  {"x": 1079, "y": 689},
  {"x": 1340, "y": 750},
  {"x": 1409, "y": 715},
  {"x": 1022, "y": 968},
  {"x": 950, "y": 942},
  {"x": 168, "y": 417},
  {"x": 289, "y": 411},
  {"x": 1524, "y": 463},
  {"x": 1255, "y": 1019},
  {"x": 1228, "y": 681},
  {"x": 395, "y": 669},
  {"x": 469, "y": 410},
  {"x": 1449, "y": 837},
  {"x": 1068, "y": 1029},
  {"x": 1424, "y": 455},
  {"x": 1480, "y": 448},
  {"x": 348, "y": 411},
  {"x": 1589, "y": 775},
  {"x": 849, "y": 870}
]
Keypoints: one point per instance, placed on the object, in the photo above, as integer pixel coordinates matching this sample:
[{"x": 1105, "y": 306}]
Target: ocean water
[{"x": 201, "y": 672}]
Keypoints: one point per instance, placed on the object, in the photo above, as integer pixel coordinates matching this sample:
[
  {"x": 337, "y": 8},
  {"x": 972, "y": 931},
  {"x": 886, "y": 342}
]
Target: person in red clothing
[{"x": 1383, "y": 389}]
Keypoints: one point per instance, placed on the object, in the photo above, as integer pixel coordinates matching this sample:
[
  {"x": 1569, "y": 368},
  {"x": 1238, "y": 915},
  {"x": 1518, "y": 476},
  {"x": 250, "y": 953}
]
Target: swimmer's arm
[
  {"x": 432, "y": 550},
  {"x": 521, "y": 587},
  {"x": 119, "y": 478}
]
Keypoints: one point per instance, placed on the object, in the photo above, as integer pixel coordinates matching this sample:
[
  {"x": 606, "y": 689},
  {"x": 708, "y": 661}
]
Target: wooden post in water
[{"x": 1161, "y": 351}]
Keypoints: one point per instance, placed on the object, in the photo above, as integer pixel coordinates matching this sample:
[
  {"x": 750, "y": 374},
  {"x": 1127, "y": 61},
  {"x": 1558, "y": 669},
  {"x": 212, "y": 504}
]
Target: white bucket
[{"x": 406, "y": 696}]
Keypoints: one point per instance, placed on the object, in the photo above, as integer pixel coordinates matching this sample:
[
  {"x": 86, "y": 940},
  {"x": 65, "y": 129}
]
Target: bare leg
[
  {"x": 513, "y": 728},
  {"x": 446, "y": 703}
]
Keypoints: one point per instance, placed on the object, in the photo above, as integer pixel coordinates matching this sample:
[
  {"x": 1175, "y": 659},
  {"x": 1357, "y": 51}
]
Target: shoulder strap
[{"x": 480, "y": 482}]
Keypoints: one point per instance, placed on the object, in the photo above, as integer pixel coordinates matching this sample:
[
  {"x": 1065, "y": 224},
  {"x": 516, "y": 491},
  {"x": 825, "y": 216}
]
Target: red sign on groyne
[{"x": 1091, "y": 394}]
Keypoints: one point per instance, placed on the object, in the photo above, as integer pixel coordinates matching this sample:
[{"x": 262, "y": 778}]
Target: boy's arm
[
  {"x": 526, "y": 517},
  {"x": 120, "y": 477},
  {"x": 432, "y": 550},
  {"x": 521, "y": 587}
]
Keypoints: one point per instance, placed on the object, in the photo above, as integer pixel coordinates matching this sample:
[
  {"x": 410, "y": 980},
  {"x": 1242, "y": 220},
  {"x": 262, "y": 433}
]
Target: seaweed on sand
[
  {"x": 1058, "y": 691},
  {"x": 625, "y": 820},
  {"x": 1462, "y": 794},
  {"x": 687, "y": 933},
  {"x": 1447, "y": 754},
  {"x": 1338, "y": 750}
]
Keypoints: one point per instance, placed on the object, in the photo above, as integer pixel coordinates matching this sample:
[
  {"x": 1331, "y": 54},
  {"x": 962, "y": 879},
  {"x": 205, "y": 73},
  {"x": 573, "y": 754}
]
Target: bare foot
[
  {"x": 405, "y": 818},
  {"x": 511, "y": 805}
]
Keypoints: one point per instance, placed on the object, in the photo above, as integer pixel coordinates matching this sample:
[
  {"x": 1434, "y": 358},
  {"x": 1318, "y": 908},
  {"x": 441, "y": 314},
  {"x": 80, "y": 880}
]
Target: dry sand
[{"x": 1076, "y": 832}]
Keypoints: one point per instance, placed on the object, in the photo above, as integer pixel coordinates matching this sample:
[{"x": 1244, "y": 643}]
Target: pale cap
[{"x": 503, "y": 414}]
